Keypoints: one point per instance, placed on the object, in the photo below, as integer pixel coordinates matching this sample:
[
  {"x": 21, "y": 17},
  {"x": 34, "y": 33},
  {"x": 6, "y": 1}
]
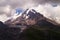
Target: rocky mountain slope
[
  {"x": 31, "y": 25},
  {"x": 29, "y": 17}
]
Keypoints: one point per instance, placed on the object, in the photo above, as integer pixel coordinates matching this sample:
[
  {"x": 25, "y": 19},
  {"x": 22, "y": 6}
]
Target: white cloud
[
  {"x": 45, "y": 7},
  {"x": 49, "y": 11},
  {"x": 3, "y": 18},
  {"x": 7, "y": 9}
]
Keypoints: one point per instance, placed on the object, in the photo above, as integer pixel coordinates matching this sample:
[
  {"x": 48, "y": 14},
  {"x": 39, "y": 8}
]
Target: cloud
[
  {"x": 3, "y": 18},
  {"x": 47, "y": 7},
  {"x": 47, "y": 1},
  {"x": 7, "y": 6},
  {"x": 49, "y": 11},
  {"x": 25, "y": 3}
]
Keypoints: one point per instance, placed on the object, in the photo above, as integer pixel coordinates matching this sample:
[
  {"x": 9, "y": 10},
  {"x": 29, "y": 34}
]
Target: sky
[
  {"x": 19, "y": 10},
  {"x": 49, "y": 8}
]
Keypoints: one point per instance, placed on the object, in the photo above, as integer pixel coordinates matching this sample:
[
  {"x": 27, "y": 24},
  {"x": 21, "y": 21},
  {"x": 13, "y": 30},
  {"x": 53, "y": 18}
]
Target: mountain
[
  {"x": 31, "y": 25},
  {"x": 31, "y": 17},
  {"x": 8, "y": 33}
]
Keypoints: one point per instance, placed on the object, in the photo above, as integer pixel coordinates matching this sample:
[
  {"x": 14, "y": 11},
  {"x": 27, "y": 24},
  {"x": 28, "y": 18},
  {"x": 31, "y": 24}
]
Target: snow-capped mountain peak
[{"x": 29, "y": 17}]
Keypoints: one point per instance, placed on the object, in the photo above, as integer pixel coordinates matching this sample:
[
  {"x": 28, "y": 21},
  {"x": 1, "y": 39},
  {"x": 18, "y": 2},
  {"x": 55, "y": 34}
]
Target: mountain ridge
[{"x": 30, "y": 16}]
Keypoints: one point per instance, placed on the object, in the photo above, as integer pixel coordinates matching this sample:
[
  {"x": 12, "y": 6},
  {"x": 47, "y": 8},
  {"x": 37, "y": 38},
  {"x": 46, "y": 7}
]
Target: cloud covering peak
[{"x": 49, "y": 8}]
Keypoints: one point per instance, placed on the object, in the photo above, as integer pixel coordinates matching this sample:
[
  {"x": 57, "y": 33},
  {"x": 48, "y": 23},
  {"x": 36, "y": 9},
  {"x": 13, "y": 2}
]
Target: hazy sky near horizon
[{"x": 48, "y": 6}]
